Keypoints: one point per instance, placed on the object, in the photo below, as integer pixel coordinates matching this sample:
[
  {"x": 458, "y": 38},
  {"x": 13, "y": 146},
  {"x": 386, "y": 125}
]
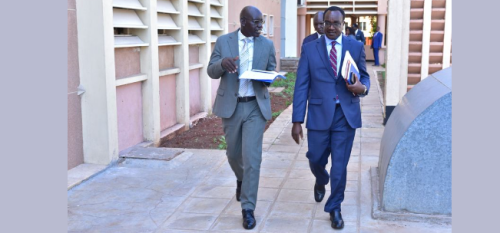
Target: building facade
[{"x": 137, "y": 69}]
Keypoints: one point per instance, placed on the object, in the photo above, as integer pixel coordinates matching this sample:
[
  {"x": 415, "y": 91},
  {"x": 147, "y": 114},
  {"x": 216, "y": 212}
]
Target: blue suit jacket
[
  {"x": 316, "y": 86},
  {"x": 377, "y": 40},
  {"x": 360, "y": 36},
  {"x": 310, "y": 38}
]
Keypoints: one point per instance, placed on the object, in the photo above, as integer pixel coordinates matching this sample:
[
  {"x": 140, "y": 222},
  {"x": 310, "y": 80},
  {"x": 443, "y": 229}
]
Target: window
[
  {"x": 264, "y": 27},
  {"x": 300, "y": 2},
  {"x": 271, "y": 25}
]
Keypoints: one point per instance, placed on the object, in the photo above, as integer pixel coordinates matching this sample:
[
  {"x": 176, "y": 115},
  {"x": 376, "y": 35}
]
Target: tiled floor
[{"x": 195, "y": 191}]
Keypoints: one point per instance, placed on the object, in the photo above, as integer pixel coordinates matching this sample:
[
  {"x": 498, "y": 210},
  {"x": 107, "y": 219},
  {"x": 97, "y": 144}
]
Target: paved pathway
[{"x": 194, "y": 192}]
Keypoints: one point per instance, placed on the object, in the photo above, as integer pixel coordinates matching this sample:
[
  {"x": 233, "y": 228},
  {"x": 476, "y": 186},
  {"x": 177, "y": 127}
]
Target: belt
[{"x": 245, "y": 99}]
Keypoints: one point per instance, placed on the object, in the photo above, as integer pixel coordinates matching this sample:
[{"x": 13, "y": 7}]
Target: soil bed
[{"x": 207, "y": 132}]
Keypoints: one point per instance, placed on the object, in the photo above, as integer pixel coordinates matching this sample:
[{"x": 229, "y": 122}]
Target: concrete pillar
[
  {"x": 97, "y": 77},
  {"x": 381, "y": 19},
  {"x": 353, "y": 20},
  {"x": 426, "y": 39},
  {"x": 205, "y": 50},
  {"x": 397, "y": 53},
  {"x": 289, "y": 28},
  {"x": 301, "y": 26},
  {"x": 381, "y": 24},
  {"x": 182, "y": 61},
  {"x": 447, "y": 35},
  {"x": 150, "y": 67}
]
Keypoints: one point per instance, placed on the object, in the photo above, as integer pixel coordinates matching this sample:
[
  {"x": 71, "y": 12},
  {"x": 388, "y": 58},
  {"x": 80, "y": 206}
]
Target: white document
[
  {"x": 261, "y": 75},
  {"x": 348, "y": 68}
]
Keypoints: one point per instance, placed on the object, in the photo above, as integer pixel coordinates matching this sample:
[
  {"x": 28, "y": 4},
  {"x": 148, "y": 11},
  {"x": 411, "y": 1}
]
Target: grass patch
[
  {"x": 288, "y": 84},
  {"x": 222, "y": 142},
  {"x": 276, "y": 114}
]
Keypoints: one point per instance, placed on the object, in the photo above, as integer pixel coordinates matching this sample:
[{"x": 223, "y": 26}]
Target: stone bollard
[{"x": 414, "y": 170}]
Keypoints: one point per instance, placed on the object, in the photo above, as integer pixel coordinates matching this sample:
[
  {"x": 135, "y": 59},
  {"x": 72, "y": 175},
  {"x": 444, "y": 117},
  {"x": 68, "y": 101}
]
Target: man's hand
[
  {"x": 229, "y": 64},
  {"x": 296, "y": 132},
  {"x": 357, "y": 87}
]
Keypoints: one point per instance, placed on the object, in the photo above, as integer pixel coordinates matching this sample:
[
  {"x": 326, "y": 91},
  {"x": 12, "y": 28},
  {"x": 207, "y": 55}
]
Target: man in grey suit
[{"x": 243, "y": 105}]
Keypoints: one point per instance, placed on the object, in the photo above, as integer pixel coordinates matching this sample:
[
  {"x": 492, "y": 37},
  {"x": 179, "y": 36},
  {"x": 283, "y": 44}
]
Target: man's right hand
[
  {"x": 297, "y": 132},
  {"x": 229, "y": 64}
]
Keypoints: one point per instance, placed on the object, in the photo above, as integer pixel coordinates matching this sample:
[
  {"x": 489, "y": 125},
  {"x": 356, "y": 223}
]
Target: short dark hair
[
  {"x": 334, "y": 8},
  {"x": 351, "y": 30}
]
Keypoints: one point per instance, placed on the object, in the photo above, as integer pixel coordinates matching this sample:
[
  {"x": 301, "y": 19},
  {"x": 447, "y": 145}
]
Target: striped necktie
[
  {"x": 244, "y": 61},
  {"x": 333, "y": 58}
]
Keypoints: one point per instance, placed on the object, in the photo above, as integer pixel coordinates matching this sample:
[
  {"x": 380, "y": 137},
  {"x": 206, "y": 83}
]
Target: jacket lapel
[
  {"x": 257, "y": 51},
  {"x": 233, "y": 46},
  {"x": 321, "y": 46}
]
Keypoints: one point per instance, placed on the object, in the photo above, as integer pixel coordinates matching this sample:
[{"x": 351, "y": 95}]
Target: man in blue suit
[
  {"x": 333, "y": 108},
  {"x": 376, "y": 45},
  {"x": 360, "y": 36},
  {"x": 318, "y": 26}
]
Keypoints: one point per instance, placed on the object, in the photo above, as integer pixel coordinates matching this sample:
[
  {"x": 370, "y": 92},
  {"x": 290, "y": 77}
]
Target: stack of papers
[
  {"x": 348, "y": 68},
  {"x": 262, "y": 75}
]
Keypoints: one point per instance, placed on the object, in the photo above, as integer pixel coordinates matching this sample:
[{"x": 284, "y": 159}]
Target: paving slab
[{"x": 194, "y": 191}]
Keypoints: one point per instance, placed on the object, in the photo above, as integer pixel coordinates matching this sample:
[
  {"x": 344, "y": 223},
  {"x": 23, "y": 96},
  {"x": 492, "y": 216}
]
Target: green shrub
[{"x": 222, "y": 142}]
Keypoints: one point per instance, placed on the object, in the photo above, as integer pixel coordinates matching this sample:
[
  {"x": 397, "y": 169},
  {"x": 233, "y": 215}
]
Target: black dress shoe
[
  {"x": 336, "y": 218},
  {"x": 319, "y": 192},
  {"x": 248, "y": 219},
  {"x": 238, "y": 190}
]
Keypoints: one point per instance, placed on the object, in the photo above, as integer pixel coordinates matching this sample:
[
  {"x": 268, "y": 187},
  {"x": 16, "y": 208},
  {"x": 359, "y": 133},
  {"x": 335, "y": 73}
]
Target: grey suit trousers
[{"x": 244, "y": 132}]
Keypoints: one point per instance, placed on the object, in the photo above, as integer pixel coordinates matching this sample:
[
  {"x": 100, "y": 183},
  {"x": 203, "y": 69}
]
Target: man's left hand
[{"x": 357, "y": 87}]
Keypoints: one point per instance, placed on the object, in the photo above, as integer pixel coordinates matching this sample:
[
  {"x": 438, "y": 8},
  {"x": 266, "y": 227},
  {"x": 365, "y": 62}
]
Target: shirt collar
[
  {"x": 339, "y": 40},
  {"x": 319, "y": 35},
  {"x": 241, "y": 36}
]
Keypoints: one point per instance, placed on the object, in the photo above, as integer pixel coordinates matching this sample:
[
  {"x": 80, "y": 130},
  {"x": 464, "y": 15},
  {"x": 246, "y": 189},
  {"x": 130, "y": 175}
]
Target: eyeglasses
[
  {"x": 256, "y": 21},
  {"x": 335, "y": 24}
]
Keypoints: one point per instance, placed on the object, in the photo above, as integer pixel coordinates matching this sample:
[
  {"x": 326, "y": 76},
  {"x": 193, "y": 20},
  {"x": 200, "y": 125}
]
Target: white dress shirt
[
  {"x": 241, "y": 43},
  {"x": 338, "y": 48}
]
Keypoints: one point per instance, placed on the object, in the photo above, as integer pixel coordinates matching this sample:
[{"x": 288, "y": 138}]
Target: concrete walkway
[{"x": 194, "y": 192}]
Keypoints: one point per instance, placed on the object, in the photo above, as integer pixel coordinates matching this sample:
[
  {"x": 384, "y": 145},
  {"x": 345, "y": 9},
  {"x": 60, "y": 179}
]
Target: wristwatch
[{"x": 364, "y": 92}]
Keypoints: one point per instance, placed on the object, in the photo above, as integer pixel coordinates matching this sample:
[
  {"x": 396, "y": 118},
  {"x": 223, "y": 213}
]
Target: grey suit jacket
[{"x": 264, "y": 58}]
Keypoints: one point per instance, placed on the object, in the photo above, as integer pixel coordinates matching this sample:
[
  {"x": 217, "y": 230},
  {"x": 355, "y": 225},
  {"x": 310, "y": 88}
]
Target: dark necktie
[{"x": 333, "y": 58}]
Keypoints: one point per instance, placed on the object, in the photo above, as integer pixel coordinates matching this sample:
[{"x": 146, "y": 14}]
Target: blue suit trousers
[
  {"x": 336, "y": 141},
  {"x": 375, "y": 55}
]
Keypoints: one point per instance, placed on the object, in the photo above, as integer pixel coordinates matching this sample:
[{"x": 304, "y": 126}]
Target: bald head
[
  {"x": 251, "y": 21},
  {"x": 318, "y": 22},
  {"x": 248, "y": 11}
]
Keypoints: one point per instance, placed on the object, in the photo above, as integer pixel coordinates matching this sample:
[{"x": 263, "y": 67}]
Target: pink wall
[
  {"x": 194, "y": 54},
  {"x": 168, "y": 116},
  {"x": 127, "y": 62},
  {"x": 128, "y": 98},
  {"x": 194, "y": 92},
  {"x": 269, "y": 7},
  {"x": 129, "y": 111},
  {"x": 166, "y": 57},
  {"x": 194, "y": 81},
  {"x": 75, "y": 139}
]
